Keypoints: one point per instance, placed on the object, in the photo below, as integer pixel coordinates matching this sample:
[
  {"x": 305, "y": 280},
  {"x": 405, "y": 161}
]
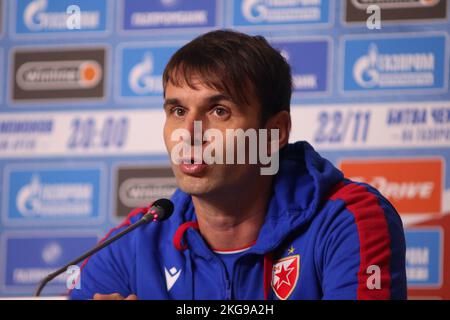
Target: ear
[{"x": 282, "y": 122}]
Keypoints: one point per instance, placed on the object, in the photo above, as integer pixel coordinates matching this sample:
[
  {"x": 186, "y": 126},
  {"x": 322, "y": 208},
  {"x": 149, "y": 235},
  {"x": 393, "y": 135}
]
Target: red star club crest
[{"x": 285, "y": 275}]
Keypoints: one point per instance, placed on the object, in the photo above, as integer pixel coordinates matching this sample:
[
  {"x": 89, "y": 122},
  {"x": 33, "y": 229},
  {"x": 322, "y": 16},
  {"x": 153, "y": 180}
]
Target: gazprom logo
[
  {"x": 394, "y": 70},
  {"x": 48, "y": 199},
  {"x": 45, "y": 193},
  {"x": 141, "y": 79},
  {"x": 141, "y": 70},
  {"x": 59, "y": 16},
  {"x": 37, "y": 18},
  {"x": 412, "y": 62},
  {"x": 254, "y": 10}
]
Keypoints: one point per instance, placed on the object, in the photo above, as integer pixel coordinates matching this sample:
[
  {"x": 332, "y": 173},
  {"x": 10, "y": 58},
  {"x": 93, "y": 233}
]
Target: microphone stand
[{"x": 145, "y": 219}]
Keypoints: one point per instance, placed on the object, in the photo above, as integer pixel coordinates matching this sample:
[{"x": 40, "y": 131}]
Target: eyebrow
[
  {"x": 172, "y": 101},
  {"x": 209, "y": 100},
  {"x": 219, "y": 97}
]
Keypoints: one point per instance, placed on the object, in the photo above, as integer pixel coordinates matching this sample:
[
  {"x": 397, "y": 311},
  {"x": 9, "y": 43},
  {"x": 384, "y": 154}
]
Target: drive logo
[
  {"x": 26, "y": 258},
  {"x": 47, "y": 17},
  {"x": 168, "y": 14},
  {"x": 58, "y": 74},
  {"x": 413, "y": 186},
  {"x": 395, "y": 64},
  {"x": 142, "y": 70},
  {"x": 280, "y": 12},
  {"x": 56, "y": 195},
  {"x": 309, "y": 61}
]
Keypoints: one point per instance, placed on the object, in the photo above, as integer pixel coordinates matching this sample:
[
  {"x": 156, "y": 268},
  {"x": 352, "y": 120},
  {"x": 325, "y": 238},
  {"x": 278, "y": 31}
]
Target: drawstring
[
  {"x": 268, "y": 266},
  {"x": 180, "y": 246},
  {"x": 178, "y": 237}
]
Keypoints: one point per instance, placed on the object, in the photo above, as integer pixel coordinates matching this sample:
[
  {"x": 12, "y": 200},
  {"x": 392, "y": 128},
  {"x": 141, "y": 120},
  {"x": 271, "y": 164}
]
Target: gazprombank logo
[
  {"x": 310, "y": 65},
  {"x": 30, "y": 256},
  {"x": 168, "y": 14}
]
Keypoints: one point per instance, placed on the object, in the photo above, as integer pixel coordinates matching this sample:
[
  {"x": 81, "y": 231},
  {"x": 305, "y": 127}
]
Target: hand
[{"x": 114, "y": 296}]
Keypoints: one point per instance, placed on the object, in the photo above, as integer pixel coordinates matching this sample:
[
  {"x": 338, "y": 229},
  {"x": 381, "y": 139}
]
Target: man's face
[{"x": 184, "y": 105}]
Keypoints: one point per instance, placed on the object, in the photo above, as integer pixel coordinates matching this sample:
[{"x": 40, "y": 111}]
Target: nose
[{"x": 194, "y": 124}]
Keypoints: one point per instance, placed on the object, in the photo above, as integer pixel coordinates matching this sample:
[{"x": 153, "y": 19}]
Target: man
[{"x": 302, "y": 233}]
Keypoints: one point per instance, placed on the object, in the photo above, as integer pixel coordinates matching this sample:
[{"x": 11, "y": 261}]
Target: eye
[
  {"x": 178, "y": 111},
  {"x": 220, "y": 111}
]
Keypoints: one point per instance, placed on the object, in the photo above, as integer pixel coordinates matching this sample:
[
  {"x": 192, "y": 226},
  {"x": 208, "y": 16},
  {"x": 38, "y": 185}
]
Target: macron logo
[{"x": 171, "y": 277}]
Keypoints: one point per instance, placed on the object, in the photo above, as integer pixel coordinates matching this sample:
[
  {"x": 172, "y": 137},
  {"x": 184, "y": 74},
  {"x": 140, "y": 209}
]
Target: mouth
[{"x": 192, "y": 167}]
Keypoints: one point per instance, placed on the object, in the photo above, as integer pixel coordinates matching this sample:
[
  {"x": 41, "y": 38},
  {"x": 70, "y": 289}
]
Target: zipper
[
  {"x": 228, "y": 287},
  {"x": 228, "y": 290},
  {"x": 226, "y": 280}
]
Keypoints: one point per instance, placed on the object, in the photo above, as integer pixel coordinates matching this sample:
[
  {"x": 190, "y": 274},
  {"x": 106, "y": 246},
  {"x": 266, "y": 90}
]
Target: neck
[{"x": 233, "y": 219}]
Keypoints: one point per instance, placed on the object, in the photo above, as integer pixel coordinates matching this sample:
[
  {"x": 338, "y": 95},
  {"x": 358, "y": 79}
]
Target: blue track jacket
[{"x": 324, "y": 237}]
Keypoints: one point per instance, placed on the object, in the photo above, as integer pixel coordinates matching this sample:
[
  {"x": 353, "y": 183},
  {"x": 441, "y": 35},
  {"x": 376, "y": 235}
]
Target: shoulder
[{"x": 362, "y": 201}]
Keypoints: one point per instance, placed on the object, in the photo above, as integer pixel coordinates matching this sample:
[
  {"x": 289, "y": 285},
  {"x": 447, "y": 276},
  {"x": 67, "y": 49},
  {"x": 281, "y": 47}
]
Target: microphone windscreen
[{"x": 164, "y": 208}]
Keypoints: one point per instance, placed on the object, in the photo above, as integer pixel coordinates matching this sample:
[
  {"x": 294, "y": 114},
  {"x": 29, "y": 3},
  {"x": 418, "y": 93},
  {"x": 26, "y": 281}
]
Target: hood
[{"x": 304, "y": 179}]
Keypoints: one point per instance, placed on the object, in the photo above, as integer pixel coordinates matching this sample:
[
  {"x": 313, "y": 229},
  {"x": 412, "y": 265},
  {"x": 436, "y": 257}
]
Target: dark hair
[{"x": 237, "y": 65}]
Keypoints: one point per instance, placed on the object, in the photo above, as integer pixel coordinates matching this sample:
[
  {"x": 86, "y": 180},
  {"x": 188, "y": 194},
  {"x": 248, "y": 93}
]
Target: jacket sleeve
[{"x": 363, "y": 256}]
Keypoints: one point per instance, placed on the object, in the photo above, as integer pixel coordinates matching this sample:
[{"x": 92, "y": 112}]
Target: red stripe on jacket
[{"x": 374, "y": 237}]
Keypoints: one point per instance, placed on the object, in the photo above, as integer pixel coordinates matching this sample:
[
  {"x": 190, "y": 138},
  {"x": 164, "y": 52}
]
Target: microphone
[{"x": 160, "y": 210}]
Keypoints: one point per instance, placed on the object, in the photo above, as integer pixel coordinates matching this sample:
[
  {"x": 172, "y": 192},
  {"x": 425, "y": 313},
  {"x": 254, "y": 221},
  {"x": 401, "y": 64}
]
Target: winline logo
[
  {"x": 213, "y": 147},
  {"x": 54, "y": 73},
  {"x": 44, "y": 75}
]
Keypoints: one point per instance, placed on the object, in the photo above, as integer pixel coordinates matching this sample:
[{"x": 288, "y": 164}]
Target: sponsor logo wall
[{"x": 81, "y": 115}]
